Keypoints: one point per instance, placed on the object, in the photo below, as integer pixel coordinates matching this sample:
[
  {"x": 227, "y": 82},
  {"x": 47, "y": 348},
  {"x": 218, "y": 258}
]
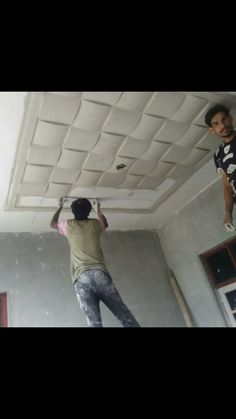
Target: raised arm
[
  {"x": 101, "y": 217},
  {"x": 55, "y": 217}
]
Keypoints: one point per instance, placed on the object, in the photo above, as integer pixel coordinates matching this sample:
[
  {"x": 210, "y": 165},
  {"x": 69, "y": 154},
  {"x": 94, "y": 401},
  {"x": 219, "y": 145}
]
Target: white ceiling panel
[
  {"x": 149, "y": 183},
  {"x": 133, "y": 150},
  {"x": 134, "y": 101},
  {"x": 108, "y": 144},
  {"x": 193, "y": 134},
  {"x": 175, "y": 154},
  {"x": 49, "y": 135},
  {"x": 88, "y": 178},
  {"x": 78, "y": 139},
  {"x": 155, "y": 150},
  {"x": 109, "y": 98},
  {"x": 111, "y": 180},
  {"x": 162, "y": 169},
  {"x": 43, "y": 155},
  {"x": 164, "y": 104},
  {"x": 36, "y": 174},
  {"x": 194, "y": 157},
  {"x": 60, "y": 109},
  {"x": 147, "y": 127},
  {"x": 180, "y": 171},
  {"x": 121, "y": 121},
  {"x": 32, "y": 189},
  {"x": 29, "y": 201},
  {"x": 56, "y": 190},
  {"x": 131, "y": 181},
  {"x": 98, "y": 163},
  {"x": 60, "y": 175},
  {"x": 209, "y": 142},
  {"x": 171, "y": 131},
  {"x": 91, "y": 116},
  {"x": 189, "y": 109},
  {"x": 142, "y": 167},
  {"x": 71, "y": 160}
]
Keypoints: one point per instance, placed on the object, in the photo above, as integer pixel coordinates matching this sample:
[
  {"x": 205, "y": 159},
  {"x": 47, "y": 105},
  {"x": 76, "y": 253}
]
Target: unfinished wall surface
[
  {"x": 194, "y": 230},
  {"x": 35, "y": 275}
]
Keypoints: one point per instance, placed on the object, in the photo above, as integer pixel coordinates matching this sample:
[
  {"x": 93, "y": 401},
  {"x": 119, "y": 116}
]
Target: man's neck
[{"x": 229, "y": 138}]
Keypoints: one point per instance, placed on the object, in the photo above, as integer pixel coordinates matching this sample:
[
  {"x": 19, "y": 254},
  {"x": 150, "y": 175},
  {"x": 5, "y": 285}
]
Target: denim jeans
[{"x": 95, "y": 285}]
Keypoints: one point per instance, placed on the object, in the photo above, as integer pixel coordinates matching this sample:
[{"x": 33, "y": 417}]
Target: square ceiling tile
[
  {"x": 87, "y": 178},
  {"x": 111, "y": 180},
  {"x": 108, "y": 144},
  {"x": 56, "y": 190},
  {"x": 78, "y": 139},
  {"x": 166, "y": 184},
  {"x": 121, "y": 121},
  {"x": 164, "y": 104},
  {"x": 155, "y": 150},
  {"x": 209, "y": 141},
  {"x": 118, "y": 161},
  {"x": 43, "y": 155},
  {"x": 91, "y": 116},
  {"x": 71, "y": 160},
  {"x": 171, "y": 131},
  {"x": 131, "y": 181},
  {"x": 195, "y": 157},
  {"x": 176, "y": 154},
  {"x": 98, "y": 163},
  {"x": 180, "y": 171},
  {"x": 149, "y": 183},
  {"x": 189, "y": 109},
  {"x": 50, "y": 203},
  {"x": 60, "y": 175},
  {"x": 49, "y": 135},
  {"x": 191, "y": 136},
  {"x": 134, "y": 101},
  {"x": 36, "y": 174},
  {"x": 29, "y": 201},
  {"x": 133, "y": 148},
  {"x": 162, "y": 169},
  {"x": 147, "y": 127},
  {"x": 109, "y": 98},
  {"x": 142, "y": 167},
  {"x": 60, "y": 109},
  {"x": 32, "y": 189}
]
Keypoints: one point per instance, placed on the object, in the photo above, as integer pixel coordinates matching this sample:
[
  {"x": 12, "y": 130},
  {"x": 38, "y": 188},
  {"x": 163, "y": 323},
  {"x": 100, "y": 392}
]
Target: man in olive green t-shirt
[{"x": 90, "y": 276}]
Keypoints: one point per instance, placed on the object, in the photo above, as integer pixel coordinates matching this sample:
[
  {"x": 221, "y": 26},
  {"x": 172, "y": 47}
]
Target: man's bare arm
[
  {"x": 55, "y": 217},
  {"x": 229, "y": 201},
  {"x": 100, "y": 215}
]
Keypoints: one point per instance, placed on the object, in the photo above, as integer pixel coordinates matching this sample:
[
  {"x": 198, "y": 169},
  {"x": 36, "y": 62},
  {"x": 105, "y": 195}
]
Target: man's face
[{"x": 222, "y": 125}]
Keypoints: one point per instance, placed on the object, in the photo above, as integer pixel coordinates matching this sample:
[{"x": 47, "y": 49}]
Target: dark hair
[
  {"x": 213, "y": 111},
  {"x": 81, "y": 208}
]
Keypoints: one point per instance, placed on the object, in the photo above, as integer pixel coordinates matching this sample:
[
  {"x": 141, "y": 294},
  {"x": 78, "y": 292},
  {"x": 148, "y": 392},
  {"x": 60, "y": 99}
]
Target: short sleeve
[
  {"x": 217, "y": 161},
  {"x": 62, "y": 228}
]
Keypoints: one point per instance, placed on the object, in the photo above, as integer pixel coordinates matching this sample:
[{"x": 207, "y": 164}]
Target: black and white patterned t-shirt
[{"x": 225, "y": 159}]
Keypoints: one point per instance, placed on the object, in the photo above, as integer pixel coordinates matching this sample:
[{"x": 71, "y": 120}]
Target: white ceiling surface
[{"x": 70, "y": 143}]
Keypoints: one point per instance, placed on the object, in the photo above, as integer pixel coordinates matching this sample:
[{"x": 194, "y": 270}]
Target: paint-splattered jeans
[{"x": 95, "y": 285}]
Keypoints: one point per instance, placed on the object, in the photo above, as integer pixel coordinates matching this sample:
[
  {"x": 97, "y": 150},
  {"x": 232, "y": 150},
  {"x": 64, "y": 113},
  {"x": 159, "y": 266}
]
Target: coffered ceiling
[{"x": 132, "y": 150}]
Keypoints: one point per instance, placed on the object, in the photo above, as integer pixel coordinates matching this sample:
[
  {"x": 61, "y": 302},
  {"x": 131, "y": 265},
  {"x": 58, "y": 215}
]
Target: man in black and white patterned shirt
[{"x": 220, "y": 123}]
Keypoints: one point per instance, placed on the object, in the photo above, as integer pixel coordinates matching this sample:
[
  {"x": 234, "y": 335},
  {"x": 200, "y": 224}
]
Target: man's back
[{"x": 84, "y": 240}]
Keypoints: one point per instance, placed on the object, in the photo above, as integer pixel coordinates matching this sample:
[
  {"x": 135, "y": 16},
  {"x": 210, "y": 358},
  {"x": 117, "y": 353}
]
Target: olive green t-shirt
[{"x": 85, "y": 249}]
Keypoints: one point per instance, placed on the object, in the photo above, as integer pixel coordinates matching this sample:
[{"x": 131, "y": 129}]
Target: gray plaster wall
[
  {"x": 35, "y": 275},
  {"x": 194, "y": 230}
]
